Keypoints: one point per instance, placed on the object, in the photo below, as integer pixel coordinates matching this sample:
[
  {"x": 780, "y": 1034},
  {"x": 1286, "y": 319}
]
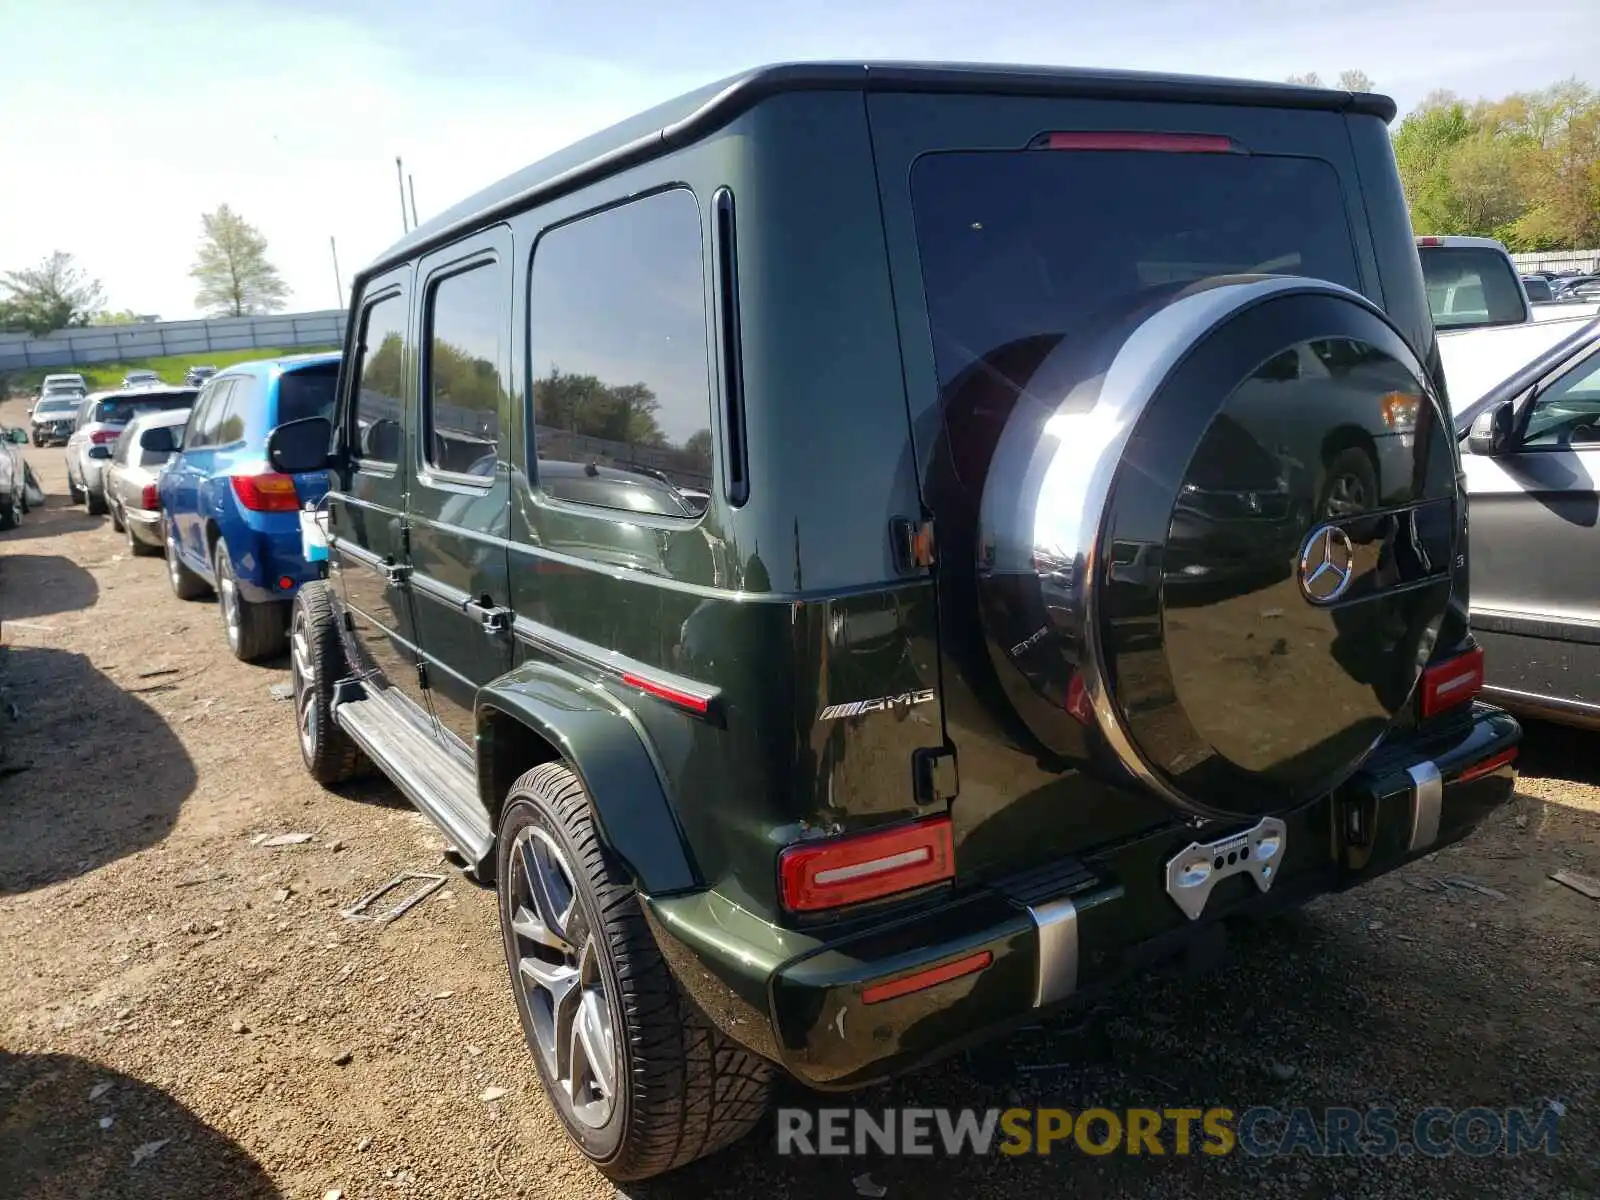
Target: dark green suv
[{"x": 860, "y": 555}]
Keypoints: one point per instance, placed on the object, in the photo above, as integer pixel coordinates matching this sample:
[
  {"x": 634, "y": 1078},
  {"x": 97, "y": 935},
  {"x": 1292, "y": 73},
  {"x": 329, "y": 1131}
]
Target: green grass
[{"x": 109, "y": 374}]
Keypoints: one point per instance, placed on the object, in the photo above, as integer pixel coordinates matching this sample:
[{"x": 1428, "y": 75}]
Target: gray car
[
  {"x": 1532, "y": 464},
  {"x": 140, "y": 454},
  {"x": 100, "y": 421},
  {"x": 51, "y": 419}
]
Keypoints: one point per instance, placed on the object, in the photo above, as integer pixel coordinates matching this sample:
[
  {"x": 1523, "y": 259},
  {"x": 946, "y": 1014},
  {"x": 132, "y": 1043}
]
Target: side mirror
[
  {"x": 99, "y": 451},
  {"x": 20, "y": 436},
  {"x": 300, "y": 445},
  {"x": 158, "y": 440},
  {"x": 1492, "y": 431}
]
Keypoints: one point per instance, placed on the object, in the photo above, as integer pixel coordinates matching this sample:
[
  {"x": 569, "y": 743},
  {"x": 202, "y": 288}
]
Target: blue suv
[{"x": 229, "y": 521}]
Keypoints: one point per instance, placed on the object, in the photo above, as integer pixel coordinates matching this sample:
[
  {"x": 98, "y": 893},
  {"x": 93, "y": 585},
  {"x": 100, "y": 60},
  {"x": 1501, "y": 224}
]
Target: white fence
[
  {"x": 1585, "y": 262},
  {"x": 118, "y": 343}
]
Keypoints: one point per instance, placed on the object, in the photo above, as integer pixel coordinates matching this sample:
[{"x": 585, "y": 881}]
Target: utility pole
[
  {"x": 412, "y": 184},
  {"x": 400, "y": 178},
  {"x": 338, "y": 283}
]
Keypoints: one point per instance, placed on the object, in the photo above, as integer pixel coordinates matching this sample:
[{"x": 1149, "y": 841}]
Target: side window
[
  {"x": 207, "y": 418},
  {"x": 378, "y": 412},
  {"x": 1567, "y": 413},
  {"x": 621, "y": 393},
  {"x": 232, "y": 418},
  {"x": 463, "y": 372}
]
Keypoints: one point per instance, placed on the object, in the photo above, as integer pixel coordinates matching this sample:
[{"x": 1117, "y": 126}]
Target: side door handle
[
  {"x": 395, "y": 573},
  {"x": 495, "y": 618}
]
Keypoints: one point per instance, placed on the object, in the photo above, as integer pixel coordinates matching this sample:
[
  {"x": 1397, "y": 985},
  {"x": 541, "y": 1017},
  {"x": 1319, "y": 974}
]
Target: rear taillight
[
  {"x": 866, "y": 866},
  {"x": 101, "y": 436},
  {"x": 1451, "y": 684},
  {"x": 1167, "y": 143},
  {"x": 149, "y": 498},
  {"x": 266, "y": 492}
]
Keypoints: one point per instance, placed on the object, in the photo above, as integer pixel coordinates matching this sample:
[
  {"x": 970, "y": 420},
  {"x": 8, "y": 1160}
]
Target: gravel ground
[{"x": 185, "y": 1013}]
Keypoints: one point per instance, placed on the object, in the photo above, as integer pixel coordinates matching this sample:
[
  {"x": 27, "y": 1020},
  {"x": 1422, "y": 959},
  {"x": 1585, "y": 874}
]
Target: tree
[
  {"x": 1309, "y": 79},
  {"x": 126, "y": 317},
  {"x": 56, "y": 294},
  {"x": 236, "y": 280},
  {"x": 1356, "y": 81}
]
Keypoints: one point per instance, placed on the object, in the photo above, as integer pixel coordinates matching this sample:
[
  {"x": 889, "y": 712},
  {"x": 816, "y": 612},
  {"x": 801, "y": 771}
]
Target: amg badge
[{"x": 882, "y": 704}]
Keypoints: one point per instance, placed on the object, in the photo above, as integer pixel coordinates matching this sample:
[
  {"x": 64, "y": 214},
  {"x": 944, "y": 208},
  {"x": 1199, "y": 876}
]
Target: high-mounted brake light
[
  {"x": 1430, "y": 241},
  {"x": 1452, "y": 684},
  {"x": 266, "y": 492},
  {"x": 866, "y": 866},
  {"x": 1167, "y": 143}
]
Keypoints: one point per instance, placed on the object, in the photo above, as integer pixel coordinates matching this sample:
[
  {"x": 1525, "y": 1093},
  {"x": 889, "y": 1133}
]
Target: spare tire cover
[{"x": 1222, "y": 537}]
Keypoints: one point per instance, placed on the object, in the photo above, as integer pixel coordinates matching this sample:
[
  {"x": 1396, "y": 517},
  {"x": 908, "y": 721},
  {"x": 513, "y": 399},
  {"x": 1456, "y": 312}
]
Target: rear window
[
  {"x": 1022, "y": 244},
  {"x": 307, "y": 392},
  {"x": 1470, "y": 286},
  {"x": 120, "y": 412}
]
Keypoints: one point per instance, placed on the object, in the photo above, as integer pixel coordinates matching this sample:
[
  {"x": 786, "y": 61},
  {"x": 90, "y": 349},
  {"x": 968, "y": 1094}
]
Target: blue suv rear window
[{"x": 307, "y": 392}]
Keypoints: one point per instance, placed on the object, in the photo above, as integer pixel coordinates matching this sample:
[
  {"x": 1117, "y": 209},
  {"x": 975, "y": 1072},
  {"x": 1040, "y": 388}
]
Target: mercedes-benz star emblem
[{"x": 1327, "y": 564}]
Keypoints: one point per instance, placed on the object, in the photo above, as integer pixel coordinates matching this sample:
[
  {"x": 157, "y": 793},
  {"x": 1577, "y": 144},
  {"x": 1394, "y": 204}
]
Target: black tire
[
  {"x": 74, "y": 496},
  {"x": 254, "y": 631},
  {"x": 38, "y": 442},
  {"x": 11, "y": 510},
  {"x": 1350, "y": 485},
  {"x": 116, "y": 518},
  {"x": 94, "y": 501},
  {"x": 682, "y": 1090},
  {"x": 316, "y": 662},
  {"x": 186, "y": 585}
]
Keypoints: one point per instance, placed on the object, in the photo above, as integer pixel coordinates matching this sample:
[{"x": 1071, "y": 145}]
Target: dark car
[
  {"x": 1533, "y": 476},
  {"x": 195, "y": 376},
  {"x": 760, "y": 538},
  {"x": 1538, "y": 289},
  {"x": 230, "y": 523}
]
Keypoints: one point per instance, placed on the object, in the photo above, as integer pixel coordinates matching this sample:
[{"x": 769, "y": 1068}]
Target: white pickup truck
[{"x": 1487, "y": 327}]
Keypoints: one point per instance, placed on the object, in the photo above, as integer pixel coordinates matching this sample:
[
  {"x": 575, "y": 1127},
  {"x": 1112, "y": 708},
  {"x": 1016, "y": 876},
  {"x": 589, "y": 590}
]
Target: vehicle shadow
[
  {"x": 1559, "y": 752},
  {"x": 51, "y": 521},
  {"x": 41, "y": 585},
  {"x": 54, "y": 1146},
  {"x": 91, "y": 773}
]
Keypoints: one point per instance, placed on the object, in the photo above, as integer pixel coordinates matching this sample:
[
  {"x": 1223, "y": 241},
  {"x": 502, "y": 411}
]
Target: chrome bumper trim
[
  {"x": 1427, "y": 793},
  {"x": 1057, "y": 977}
]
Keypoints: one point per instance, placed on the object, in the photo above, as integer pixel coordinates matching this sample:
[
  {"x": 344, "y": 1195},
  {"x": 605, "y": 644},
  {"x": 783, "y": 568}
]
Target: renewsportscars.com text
[{"x": 1258, "y": 1132}]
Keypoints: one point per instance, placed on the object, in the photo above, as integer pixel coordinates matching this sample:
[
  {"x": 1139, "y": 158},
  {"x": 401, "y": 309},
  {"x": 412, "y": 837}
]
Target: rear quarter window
[
  {"x": 308, "y": 392},
  {"x": 1041, "y": 243},
  {"x": 1471, "y": 286}
]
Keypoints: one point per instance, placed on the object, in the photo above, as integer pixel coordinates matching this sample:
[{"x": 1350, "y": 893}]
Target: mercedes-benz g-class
[{"x": 862, "y": 555}]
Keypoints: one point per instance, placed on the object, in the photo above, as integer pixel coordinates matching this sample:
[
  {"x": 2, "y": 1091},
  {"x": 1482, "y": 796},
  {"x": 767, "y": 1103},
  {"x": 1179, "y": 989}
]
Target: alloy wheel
[
  {"x": 558, "y": 972},
  {"x": 304, "y": 682},
  {"x": 228, "y": 598}
]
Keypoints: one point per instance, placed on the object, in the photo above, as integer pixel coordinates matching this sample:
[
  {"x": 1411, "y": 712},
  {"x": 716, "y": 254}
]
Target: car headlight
[{"x": 1399, "y": 410}]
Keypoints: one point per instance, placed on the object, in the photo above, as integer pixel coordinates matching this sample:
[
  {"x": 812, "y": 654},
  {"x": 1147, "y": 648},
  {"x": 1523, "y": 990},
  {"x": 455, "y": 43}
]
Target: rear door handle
[
  {"x": 395, "y": 573},
  {"x": 495, "y": 619}
]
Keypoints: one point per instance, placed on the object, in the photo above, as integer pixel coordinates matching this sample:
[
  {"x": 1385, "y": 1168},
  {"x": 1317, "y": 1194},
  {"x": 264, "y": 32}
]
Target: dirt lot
[{"x": 185, "y": 1013}]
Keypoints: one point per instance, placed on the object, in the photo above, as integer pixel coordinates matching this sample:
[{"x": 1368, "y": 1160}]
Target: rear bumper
[
  {"x": 266, "y": 551},
  {"x": 1059, "y": 934},
  {"x": 145, "y": 524}
]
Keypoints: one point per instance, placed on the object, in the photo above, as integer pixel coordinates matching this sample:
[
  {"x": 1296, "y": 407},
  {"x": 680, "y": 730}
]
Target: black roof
[{"x": 695, "y": 114}]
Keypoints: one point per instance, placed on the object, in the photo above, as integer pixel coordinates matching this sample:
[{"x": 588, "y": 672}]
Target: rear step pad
[{"x": 439, "y": 783}]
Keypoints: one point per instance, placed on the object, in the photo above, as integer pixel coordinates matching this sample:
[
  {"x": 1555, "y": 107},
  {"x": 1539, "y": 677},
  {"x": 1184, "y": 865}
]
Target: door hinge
[
  {"x": 933, "y": 774},
  {"x": 422, "y": 675},
  {"x": 913, "y": 544}
]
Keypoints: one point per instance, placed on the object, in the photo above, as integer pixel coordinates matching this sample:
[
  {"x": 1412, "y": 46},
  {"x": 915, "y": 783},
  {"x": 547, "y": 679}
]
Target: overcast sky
[{"x": 120, "y": 123}]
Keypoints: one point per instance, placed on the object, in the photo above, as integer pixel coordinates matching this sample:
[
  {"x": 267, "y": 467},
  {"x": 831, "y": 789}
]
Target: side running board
[{"x": 439, "y": 783}]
